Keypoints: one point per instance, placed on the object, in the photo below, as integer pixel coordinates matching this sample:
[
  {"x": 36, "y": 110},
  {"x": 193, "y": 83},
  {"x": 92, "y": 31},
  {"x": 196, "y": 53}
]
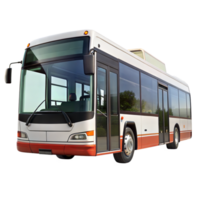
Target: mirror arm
[
  {"x": 15, "y": 63},
  {"x": 91, "y": 51}
]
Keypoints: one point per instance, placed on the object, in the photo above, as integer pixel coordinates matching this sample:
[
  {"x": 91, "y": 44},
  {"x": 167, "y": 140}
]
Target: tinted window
[
  {"x": 173, "y": 101},
  {"x": 149, "y": 94},
  {"x": 188, "y": 106},
  {"x": 57, "y": 49},
  {"x": 183, "y": 104},
  {"x": 129, "y": 89}
]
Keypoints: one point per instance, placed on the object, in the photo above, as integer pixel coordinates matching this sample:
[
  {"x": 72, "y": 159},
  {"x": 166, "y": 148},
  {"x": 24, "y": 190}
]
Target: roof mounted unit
[{"x": 149, "y": 58}]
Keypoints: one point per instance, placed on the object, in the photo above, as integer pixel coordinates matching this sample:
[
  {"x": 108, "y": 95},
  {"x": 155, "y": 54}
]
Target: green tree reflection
[{"x": 128, "y": 101}]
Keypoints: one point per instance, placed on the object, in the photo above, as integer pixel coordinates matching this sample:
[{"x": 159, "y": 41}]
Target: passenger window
[
  {"x": 129, "y": 89},
  {"x": 183, "y": 104},
  {"x": 188, "y": 107},
  {"x": 149, "y": 94},
  {"x": 173, "y": 101}
]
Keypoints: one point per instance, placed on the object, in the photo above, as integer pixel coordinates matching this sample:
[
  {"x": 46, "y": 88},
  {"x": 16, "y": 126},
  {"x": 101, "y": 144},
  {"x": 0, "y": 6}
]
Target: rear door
[{"x": 163, "y": 115}]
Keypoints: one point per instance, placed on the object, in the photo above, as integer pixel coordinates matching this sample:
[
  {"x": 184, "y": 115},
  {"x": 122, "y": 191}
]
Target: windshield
[{"x": 62, "y": 84}]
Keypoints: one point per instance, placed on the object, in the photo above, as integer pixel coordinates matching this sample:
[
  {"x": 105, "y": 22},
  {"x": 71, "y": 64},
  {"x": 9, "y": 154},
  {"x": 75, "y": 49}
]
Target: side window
[
  {"x": 78, "y": 91},
  {"x": 188, "y": 107},
  {"x": 86, "y": 89},
  {"x": 82, "y": 90},
  {"x": 58, "y": 90},
  {"x": 173, "y": 101},
  {"x": 183, "y": 104},
  {"x": 129, "y": 89},
  {"x": 149, "y": 94}
]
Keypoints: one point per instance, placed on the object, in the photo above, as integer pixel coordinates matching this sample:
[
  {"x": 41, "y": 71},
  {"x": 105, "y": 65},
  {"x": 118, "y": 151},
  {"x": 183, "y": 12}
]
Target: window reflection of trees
[{"x": 149, "y": 94}]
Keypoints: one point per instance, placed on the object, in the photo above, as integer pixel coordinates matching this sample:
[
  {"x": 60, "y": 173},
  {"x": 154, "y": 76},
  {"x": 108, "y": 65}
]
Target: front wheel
[
  {"x": 129, "y": 146},
  {"x": 65, "y": 156}
]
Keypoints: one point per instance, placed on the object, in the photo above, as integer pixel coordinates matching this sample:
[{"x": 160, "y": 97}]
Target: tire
[
  {"x": 65, "y": 156},
  {"x": 175, "y": 143},
  {"x": 129, "y": 147}
]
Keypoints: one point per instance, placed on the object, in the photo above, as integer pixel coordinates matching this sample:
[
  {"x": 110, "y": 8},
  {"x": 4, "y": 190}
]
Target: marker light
[
  {"x": 28, "y": 45},
  {"x": 122, "y": 117},
  {"x": 86, "y": 32},
  {"x": 18, "y": 134}
]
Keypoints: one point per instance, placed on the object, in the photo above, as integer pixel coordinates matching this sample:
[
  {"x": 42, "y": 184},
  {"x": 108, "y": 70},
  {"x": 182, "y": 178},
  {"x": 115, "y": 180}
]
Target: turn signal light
[
  {"x": 21, "y": 135},
  {"x": 90, "y": 133}
]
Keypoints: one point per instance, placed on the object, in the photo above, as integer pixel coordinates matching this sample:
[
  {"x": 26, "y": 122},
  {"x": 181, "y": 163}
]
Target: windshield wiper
[
  {"x": 29, "y": 119},
  {"x": 67, "y": 119}
]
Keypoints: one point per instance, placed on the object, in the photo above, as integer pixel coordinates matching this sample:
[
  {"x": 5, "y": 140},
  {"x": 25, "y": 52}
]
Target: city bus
[{"x": 82, "y": 94}]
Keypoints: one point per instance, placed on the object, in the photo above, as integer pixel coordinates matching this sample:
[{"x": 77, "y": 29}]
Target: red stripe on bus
[
  {"x": 184, "y": 135},
  {"x": 61, "y": 149},
  {"x": 171, "y": 137},
  {"x": 150, "y": 141},
  {"x": 90, "y": 150},
  {"x": 23, "y": 147}
]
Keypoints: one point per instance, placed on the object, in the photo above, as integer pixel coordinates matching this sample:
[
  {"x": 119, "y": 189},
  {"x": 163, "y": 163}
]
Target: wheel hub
[{"x": 128, "y": 144}]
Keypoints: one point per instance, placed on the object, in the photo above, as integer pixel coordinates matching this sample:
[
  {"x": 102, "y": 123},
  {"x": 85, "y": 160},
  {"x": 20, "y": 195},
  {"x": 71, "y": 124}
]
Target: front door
[
  {"x": 107, "y": 118},
  {"x": 163, "y": 116}
]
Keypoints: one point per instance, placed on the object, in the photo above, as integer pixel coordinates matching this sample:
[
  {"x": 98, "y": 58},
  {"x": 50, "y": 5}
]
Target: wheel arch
[{"x": 132, "y": 125}]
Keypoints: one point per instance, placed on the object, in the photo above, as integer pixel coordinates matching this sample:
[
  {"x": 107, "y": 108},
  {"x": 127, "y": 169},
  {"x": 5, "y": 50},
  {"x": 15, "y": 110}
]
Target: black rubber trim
[{"x": 56, "y": 118}]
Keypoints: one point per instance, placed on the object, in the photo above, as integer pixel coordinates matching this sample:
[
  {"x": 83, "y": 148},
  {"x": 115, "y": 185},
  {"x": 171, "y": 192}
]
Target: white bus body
[{"x": 54, "y": 138}]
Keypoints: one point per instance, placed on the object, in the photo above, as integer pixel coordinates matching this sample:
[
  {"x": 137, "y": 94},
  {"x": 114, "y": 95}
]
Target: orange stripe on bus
[
  {"x": 147, "y": 134},
  {"x": 57, "y": 149},
  {"x": 110, "y": 152}
]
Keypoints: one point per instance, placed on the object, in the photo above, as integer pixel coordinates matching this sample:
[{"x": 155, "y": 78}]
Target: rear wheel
[
  {"x": 129, "y": 146},
  {"x": 174, "y": 145}
]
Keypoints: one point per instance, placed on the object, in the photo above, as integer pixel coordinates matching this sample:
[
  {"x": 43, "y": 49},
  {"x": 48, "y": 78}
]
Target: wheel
[
  {"x": 129, "y": 146},
  {"x": 63, "y": 157},
  {"x": 174, "y": 145}
]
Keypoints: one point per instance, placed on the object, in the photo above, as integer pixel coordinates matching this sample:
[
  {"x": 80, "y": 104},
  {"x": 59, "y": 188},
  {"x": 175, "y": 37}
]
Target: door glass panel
[
  {"x": 101, "y": 106},
  {"x": 161, "y": 128},
  {"x": 166, "y": 116},
  {"x": 114, "y": 112}
]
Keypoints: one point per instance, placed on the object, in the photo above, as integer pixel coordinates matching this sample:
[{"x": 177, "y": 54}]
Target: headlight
[
  {"x": 87, "y": 136},
  {"x": 79, "y": 136}
]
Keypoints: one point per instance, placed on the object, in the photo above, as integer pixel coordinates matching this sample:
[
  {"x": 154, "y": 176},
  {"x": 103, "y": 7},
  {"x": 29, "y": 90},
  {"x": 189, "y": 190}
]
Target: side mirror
[
  {"x": 89, "y": 64},
  {"x": 8, "y": 75}
]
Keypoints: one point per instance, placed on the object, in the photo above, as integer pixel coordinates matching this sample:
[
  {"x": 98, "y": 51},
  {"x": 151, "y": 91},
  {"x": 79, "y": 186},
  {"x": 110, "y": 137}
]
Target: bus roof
[{"x": 95, "y": 38}]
